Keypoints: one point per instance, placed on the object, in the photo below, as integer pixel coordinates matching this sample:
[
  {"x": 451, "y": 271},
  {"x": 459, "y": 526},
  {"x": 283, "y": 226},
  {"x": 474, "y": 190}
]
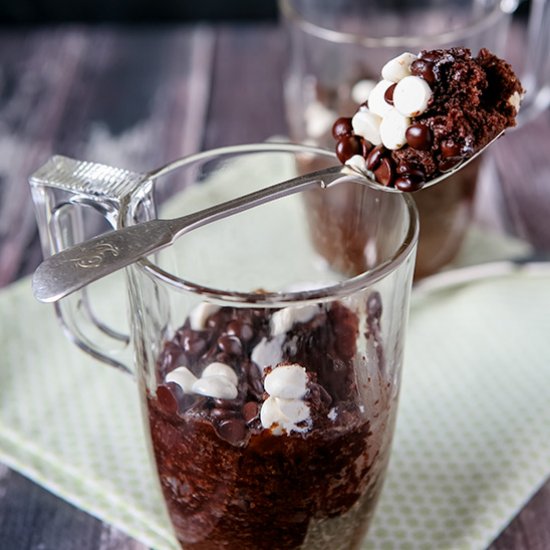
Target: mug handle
[{"x": 62, "y": 189}]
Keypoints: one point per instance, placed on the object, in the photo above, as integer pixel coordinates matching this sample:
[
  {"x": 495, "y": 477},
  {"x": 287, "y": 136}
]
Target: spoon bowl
[{"x": 369, "y": 176}]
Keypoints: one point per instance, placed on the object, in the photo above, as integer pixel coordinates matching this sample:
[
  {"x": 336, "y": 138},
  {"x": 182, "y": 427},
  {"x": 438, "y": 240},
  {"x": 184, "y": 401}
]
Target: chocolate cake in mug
[
  {"x": 265, "y": 433},
  {"x": 269, "y": 384}
]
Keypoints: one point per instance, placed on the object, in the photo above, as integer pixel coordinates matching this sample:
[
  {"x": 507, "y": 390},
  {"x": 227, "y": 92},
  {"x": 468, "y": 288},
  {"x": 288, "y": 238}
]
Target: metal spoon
[
  {"x": 369, "y": 176},
  {"x": 75, "y": 267}
]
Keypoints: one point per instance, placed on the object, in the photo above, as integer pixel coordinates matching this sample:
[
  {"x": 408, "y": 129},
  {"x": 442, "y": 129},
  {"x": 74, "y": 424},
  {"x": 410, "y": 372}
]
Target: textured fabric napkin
[{"x": 473, "y": 433}]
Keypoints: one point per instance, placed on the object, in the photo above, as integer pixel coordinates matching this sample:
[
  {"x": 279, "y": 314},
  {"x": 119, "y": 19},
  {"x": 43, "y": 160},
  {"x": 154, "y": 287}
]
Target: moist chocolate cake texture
[
  {"x": 270, "y": 427},
  {"x": 428, "y": 113}
]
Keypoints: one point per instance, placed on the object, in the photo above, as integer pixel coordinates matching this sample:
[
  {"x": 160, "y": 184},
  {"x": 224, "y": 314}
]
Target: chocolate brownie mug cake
[
  {"x": 271, "y": 382},
  {"x": 269, "y": 428},
  {"x": 268, "y": 380},
  {"x": 428, "y": 113}
]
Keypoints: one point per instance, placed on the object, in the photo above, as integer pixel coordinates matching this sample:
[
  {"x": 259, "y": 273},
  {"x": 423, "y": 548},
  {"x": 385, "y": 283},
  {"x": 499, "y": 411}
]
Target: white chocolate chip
[
  {"x": 220, "y": 369},
  {"x": 270, "y": 412},
  {"x": 200, "y": 314},
  {"x": 272, "y": 415},
  {"x": 215, "y": 386},
  {"x": 367, "y": 125},
  {"x": 377, "y": 104},
  {"x": 318, "y": 119},
  {"x": 411, "y": 96},
  {"x": 295, "y": 410},
  {"x": 287, "y": 382},
  {"x": 361, "y": 90},
  {"x": 515, "y": 100},
  {"x": 183, "y": 377},
  {"x": 393, "y": 130},
  {"x": 399, "y": 67},
  {"x": 284, "y": 319},
  {"x": 268, "y": 352},
  {"x": 357, "y": 162}
]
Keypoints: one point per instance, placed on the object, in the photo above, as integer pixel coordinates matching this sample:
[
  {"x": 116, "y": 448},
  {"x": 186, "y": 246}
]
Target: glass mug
[
  {"x": 337, "y": 49},
  {"x": 269, "y": 379}
]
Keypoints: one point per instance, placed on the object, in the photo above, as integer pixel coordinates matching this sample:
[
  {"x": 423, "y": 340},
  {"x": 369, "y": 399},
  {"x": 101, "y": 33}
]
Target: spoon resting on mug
[
  {"x": 73, "y": 268},
  {"x": 426, "y": 119}
]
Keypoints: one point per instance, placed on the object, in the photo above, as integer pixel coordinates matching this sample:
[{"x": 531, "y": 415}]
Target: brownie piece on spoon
[{"x": 428, "y": 113}]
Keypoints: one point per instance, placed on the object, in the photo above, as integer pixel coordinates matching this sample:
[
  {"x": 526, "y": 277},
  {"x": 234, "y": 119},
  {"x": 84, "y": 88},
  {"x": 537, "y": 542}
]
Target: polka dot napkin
[
  {"x": 473, "y": 433},
  {"x": 472, "y": 442}
]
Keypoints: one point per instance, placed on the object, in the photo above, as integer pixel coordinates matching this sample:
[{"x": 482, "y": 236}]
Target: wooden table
[{"x": 138, "y": 97}]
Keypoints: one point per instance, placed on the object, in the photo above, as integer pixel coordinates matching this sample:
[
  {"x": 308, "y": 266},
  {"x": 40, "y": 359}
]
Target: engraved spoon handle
[{"x": 77, "y": 266}]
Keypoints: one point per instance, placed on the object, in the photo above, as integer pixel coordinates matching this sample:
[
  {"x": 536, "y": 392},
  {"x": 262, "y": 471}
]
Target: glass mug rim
[
  {"x": 500, "y": 9},
  {"x": 341, "y": 289}
]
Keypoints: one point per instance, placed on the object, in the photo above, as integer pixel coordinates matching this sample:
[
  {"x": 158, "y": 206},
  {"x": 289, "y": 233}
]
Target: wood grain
[
  {"x": 246, "y": 103},
  {"x": 530, "y": 529},
  {"x": 138, "y": 98}
]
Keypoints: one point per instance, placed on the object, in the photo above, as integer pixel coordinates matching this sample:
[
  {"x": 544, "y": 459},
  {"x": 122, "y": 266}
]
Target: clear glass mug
[
  {"x": 269, "y": 378},
  {"x": 337, "y": 49}
]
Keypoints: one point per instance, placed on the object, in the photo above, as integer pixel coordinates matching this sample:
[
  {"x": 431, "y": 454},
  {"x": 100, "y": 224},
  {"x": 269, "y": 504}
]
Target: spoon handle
[{"x": 77, "y": 266}]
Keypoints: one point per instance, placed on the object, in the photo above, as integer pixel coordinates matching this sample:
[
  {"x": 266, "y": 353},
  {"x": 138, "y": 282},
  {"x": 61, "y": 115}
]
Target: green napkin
[{"x": 471, "y": 446}]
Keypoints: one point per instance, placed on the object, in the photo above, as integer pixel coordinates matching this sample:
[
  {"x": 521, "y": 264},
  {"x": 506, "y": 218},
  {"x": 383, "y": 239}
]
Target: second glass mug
[
  {"x": 337, "y": 49},
  {"x": 268, "y": 378}
]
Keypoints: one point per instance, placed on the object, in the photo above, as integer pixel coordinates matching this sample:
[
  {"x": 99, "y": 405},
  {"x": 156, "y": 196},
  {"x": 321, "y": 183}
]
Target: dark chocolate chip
[
  {"x": 388, "y": 94},
  {"x": 424, "y": 69},
  {"x": 254, "y": 379},
  {"x": 192, "y": 342},
  {"x": 171, "y": 356},
  {"x": 409, "y": 183},
  {"x": 226, "y": 404},
  {"x": 449, "y": 148},
  {"x": 417, "y": 174},
  {"x": 250, "y": 411},
  {"x": 374, "y": 305},
  {"x": 375, "y": 156},
  {"x": 230, "y": 345},
  {"x": 385, "y": 172},
  {"x": 431, "y": 56},
  {"x": 348, "y": 146},
  {"x": 419, "y": 136},
  {"x": 216, "y": 320},
  {"x": 403, "y": 167},
  {"x": 233, "y": 430},
  {"x": 166, "y": 398},
  {"x": 243, "y": 331},
  {"x": 342, "y": 127},
  {"x": 366, "y": 147}
]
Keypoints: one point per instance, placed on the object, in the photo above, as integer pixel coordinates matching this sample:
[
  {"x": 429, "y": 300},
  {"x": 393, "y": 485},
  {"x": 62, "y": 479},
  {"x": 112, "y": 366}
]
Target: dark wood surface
[{"x": 138, "y": 97}]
